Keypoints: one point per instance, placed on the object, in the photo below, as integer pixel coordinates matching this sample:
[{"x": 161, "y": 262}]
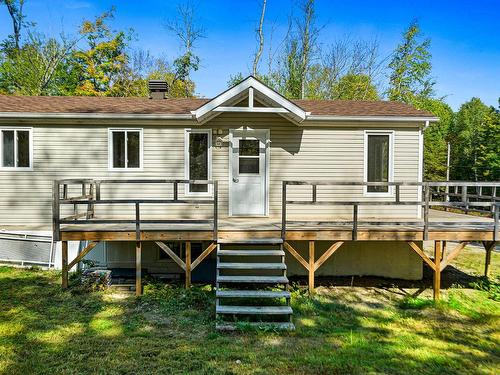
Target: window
[
  {"x": 125, "y": 148},
  {"x": 198, "y": 145},
  {"x": 378, "y": 160},
  {"x": 249, "y": 160},
  {"x": 15, "y": 148}
]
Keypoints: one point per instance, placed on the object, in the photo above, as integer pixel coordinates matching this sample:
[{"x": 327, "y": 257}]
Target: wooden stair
[{"x": 252, "y": 287}]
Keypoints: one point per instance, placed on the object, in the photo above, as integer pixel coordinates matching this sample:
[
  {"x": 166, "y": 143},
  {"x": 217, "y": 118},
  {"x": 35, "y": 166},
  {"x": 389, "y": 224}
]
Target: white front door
[{"x": 248, "y": 153}]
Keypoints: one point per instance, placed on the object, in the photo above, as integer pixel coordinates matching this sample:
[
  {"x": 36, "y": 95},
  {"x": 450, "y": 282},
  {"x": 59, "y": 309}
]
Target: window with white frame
[
  {"x": 378, "y": 160},
  {"x": 197, "y": 159},
  {"x": 16, "y": 148},
  {"x": 125, "y": 149}
]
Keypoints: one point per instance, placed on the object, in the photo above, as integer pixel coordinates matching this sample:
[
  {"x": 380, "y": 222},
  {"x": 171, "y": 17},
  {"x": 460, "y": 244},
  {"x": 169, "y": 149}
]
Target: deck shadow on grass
[
  {"x": 450, "y": 277},
  {"x": 117, "y": 337}
]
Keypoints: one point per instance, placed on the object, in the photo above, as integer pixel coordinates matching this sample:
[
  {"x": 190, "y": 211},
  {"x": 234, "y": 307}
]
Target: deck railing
[
  {"x": 462, "y": 196},
  {"x": 91, "y": 196}
]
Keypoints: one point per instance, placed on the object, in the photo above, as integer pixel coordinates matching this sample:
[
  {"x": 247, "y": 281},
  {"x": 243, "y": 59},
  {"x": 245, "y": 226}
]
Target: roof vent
[{"x": 157, "y": 89}]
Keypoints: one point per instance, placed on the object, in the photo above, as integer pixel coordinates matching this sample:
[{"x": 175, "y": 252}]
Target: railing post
[
  {"x": 283, "y": 210},
  {"x": 314, "y": 193},
  {"x": 464, "y": 198},
  {"x": 137, "y": 222},
  {"x": 355, "y": 222},
  {"x": 90, "y": 206},
  {"x": 55, "y": 211},
  {"x": 496, "y": 215},
  {"x": 176, "y": 191},
  {"x": 216, "y": 210},
  {"x": 398, "y": 195},
  {"x": 98, "y": 190},
  {"x": 426, "y": 211},
  {"x": 493, "y": 199}
]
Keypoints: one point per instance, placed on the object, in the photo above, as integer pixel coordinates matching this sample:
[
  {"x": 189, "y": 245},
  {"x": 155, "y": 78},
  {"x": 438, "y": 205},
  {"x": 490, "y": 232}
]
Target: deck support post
[
  {"x": 138, "y": 269},
  {"x": 311, "y": 267},
  {"x": 64, "y": 254},
  {"x": 437, "y": 270},
  {"x": 488, "y": 246},
  {"x": 188, "y": 264}
]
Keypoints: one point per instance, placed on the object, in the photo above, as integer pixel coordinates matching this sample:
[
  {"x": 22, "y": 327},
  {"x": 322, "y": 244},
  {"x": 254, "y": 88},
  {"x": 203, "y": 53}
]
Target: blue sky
[{"x": 465, "y": 34}]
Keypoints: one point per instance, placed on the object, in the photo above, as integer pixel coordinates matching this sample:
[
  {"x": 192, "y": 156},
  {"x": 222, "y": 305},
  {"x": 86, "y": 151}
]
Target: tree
[
  {"x": 142, "y": 67},
  {"x": 465, "y": 137},
  {"x": 436, "y": 138},
  {"x": 186, "y": 29},
  {"x": 355, "y": 87},
  {"x": 293, "y": 66},
  {"x": 410, "y": 67},
  {"x": 39, "y": 67},
  {"x": 348, "y": 59},
  {"x": 260, "y": 33},
  {"x": 488, "y": 153},
  {"x": 308, "y": 35},
  {"x": 15, "y": 9},
  {"x": 103, "y": 62}
]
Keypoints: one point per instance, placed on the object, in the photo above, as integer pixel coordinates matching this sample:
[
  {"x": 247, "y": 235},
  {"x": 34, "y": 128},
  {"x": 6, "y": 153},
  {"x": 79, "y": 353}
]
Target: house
[{"x": 244, "y": 143}]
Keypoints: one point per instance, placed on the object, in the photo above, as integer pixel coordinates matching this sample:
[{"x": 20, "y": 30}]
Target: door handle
[{"x": 236, "y": 180}]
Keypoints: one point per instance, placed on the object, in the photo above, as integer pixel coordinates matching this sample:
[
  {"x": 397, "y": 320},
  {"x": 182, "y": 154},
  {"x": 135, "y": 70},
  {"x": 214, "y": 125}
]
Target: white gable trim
[{"x": 251, "y": 84}]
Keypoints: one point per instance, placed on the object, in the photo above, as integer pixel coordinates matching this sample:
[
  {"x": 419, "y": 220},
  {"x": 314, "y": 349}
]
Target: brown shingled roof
[
  {"x": 359, "y": 108},
  {"x": 84, "y": 104}
]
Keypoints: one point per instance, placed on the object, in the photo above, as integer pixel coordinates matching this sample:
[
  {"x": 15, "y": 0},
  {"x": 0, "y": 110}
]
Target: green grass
[{"x": 342, "y": 330}]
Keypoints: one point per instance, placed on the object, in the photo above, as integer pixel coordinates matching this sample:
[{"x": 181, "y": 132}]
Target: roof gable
[{"x": 255, "y": 91}]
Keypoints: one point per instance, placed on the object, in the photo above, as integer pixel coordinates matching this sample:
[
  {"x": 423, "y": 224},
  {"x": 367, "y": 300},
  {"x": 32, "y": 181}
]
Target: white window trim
[
  {"x": 15, "y": 129},
  {"x": 390, "y": 191},
  {"x": 110, "y": 150},
  {"x": 209, "y": 191}
]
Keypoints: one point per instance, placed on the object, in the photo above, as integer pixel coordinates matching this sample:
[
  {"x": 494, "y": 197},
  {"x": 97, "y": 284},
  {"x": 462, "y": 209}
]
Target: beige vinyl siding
[{"x": 297, "y": 153}]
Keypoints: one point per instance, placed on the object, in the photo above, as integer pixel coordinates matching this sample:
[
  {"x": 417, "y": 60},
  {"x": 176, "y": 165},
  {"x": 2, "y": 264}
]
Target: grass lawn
[{"x": 342, "y": 330}]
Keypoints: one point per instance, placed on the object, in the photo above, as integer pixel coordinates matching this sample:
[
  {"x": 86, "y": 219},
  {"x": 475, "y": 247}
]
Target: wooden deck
[
  {"x": 437, "y": 224},
  {"x": 442, "y": 226}
]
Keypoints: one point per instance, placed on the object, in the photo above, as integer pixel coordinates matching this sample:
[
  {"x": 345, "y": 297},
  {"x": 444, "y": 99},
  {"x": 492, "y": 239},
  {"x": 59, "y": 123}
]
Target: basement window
[
  {"x": 125, "y": 149},
  {"x": 378, "y": 161},
  {"x": 16, "y": 148},
  {"x": 197, "y": 160}
]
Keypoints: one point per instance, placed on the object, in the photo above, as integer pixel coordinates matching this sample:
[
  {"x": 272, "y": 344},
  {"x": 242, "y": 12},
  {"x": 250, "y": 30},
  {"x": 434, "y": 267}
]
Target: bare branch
[
  {"x": 185, "y": 26},
  {"x": 260, "y": 33}
]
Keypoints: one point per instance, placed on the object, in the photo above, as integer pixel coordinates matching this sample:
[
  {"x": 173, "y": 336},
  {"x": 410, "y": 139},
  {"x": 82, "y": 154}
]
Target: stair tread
[
  {"x": 254, "y": 241},
  {"x": 252, "y": 266},
  {"x": 235, "y": 326},
  {"x": 251, "y": 252},
  {"x": 253, "y": 293},
  {"x": 254, "y": 279},
  {"x": 257, "y": 310}
]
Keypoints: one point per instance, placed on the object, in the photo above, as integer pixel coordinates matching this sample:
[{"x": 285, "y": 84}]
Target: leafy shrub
[
  {"x": 172, "y": 298},
  {"x": 492, "y": 287}
]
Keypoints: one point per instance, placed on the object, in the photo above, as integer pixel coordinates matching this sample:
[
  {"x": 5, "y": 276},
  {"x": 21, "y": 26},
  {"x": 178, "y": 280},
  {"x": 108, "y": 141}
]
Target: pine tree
[{"x": 411, "y": 67}]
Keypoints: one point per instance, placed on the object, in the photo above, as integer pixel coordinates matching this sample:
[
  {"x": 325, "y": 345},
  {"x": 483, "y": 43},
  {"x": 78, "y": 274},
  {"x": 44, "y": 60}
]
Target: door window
[{"x": 249, "y": 160}]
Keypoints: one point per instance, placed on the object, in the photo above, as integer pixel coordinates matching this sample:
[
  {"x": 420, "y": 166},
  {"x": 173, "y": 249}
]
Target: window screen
[
  {"x": 23, "y": 148},
  {"x": 15, "y": 148},
  {"x": 126, "y": 151},
  {"x": 133, "y": 150},
  {"x": 8, "y": 157},
  {"x": 378, "y": 162},
  {"x": 198, "y": 160}
]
